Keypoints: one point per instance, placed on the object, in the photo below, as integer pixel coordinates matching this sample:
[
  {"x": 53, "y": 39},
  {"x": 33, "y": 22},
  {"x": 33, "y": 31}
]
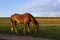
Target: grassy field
[{"x": 49, "y": 28}]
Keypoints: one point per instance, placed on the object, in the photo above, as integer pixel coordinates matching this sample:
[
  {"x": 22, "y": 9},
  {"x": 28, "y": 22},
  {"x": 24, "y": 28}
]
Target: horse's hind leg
[
  {"x": 29, "y": 27},
  {"x": 11, "y": 29},
  {"x": 14, "y": 27}
]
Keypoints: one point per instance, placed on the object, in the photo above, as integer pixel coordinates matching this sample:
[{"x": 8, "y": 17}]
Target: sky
[{"x": 38, "y": 8}]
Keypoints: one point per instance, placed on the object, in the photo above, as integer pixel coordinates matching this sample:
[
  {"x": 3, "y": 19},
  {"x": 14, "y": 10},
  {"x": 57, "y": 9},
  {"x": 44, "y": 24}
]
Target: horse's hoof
[
  {"x": 17, "y": 33},
  {"x": 29, "y": 32},
  {"x": 24, "y": 33}
]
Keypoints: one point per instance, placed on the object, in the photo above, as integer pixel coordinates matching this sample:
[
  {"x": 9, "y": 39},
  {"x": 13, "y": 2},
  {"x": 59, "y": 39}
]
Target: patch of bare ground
[{"x": 15, "y": 37}]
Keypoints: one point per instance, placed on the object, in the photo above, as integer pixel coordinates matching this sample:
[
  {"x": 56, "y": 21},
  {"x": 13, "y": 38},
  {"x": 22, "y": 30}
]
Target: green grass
[
  {"x": 46, "y": 30},
  {"x": 52, "y": 32}
]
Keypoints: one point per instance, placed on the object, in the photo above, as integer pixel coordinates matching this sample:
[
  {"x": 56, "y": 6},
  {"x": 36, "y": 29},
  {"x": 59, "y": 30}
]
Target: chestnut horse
[{"x": 26, "y": 19}]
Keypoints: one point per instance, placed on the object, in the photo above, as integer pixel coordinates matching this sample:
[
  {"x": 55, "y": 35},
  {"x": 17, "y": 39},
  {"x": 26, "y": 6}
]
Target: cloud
[{"x": 43, "y": 7}]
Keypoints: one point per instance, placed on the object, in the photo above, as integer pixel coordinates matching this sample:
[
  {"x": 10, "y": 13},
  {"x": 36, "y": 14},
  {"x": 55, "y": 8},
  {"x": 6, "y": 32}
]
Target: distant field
[{"x": 49, "y": 27}]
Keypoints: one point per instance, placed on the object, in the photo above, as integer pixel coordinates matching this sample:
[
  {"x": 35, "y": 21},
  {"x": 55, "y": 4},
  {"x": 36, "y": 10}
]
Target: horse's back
[{"x": 20, "y": 18}]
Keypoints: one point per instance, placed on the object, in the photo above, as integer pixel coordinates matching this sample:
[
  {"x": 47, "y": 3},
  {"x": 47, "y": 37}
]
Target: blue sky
[{"x": 40, "y": 8}]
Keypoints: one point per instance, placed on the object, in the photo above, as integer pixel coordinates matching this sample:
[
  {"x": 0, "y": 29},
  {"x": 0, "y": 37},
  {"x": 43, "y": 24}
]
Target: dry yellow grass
[
  {"x": 49, "y": 20},
  {"x": 41, "y": 21}
]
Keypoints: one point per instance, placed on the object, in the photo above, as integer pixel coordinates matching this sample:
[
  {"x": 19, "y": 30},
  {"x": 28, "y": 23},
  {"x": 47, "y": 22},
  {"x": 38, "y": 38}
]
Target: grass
[
  {"x": 52, "y": 32},
  {"x": 47, "y": 29}
]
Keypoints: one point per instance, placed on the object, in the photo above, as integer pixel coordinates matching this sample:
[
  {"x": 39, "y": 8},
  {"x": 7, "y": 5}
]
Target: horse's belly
[{"x": 19, "y": 21}]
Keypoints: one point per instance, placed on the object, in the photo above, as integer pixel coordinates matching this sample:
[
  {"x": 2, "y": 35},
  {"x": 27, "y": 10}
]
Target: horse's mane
[{"x": 32, "y": 17}]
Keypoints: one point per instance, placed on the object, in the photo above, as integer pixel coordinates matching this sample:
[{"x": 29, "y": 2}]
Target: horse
[{"x": 25, "y": 19}]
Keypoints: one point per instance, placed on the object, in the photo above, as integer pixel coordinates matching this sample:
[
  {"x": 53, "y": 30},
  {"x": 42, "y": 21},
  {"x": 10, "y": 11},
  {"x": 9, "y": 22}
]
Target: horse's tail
[{"x": 11, "y": 18}]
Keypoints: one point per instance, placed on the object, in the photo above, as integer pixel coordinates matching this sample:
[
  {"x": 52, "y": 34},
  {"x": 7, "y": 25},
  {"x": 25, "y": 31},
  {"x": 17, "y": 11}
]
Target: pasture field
[{"x": 49, "y": 27}]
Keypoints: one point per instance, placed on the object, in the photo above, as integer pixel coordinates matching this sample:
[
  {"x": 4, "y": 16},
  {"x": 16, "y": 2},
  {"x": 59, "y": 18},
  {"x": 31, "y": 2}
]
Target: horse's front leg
[
  {"x": 35, "y": 28},
  {"x": 29, "y": 27},
  {"x": 24, "y": 31}
]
